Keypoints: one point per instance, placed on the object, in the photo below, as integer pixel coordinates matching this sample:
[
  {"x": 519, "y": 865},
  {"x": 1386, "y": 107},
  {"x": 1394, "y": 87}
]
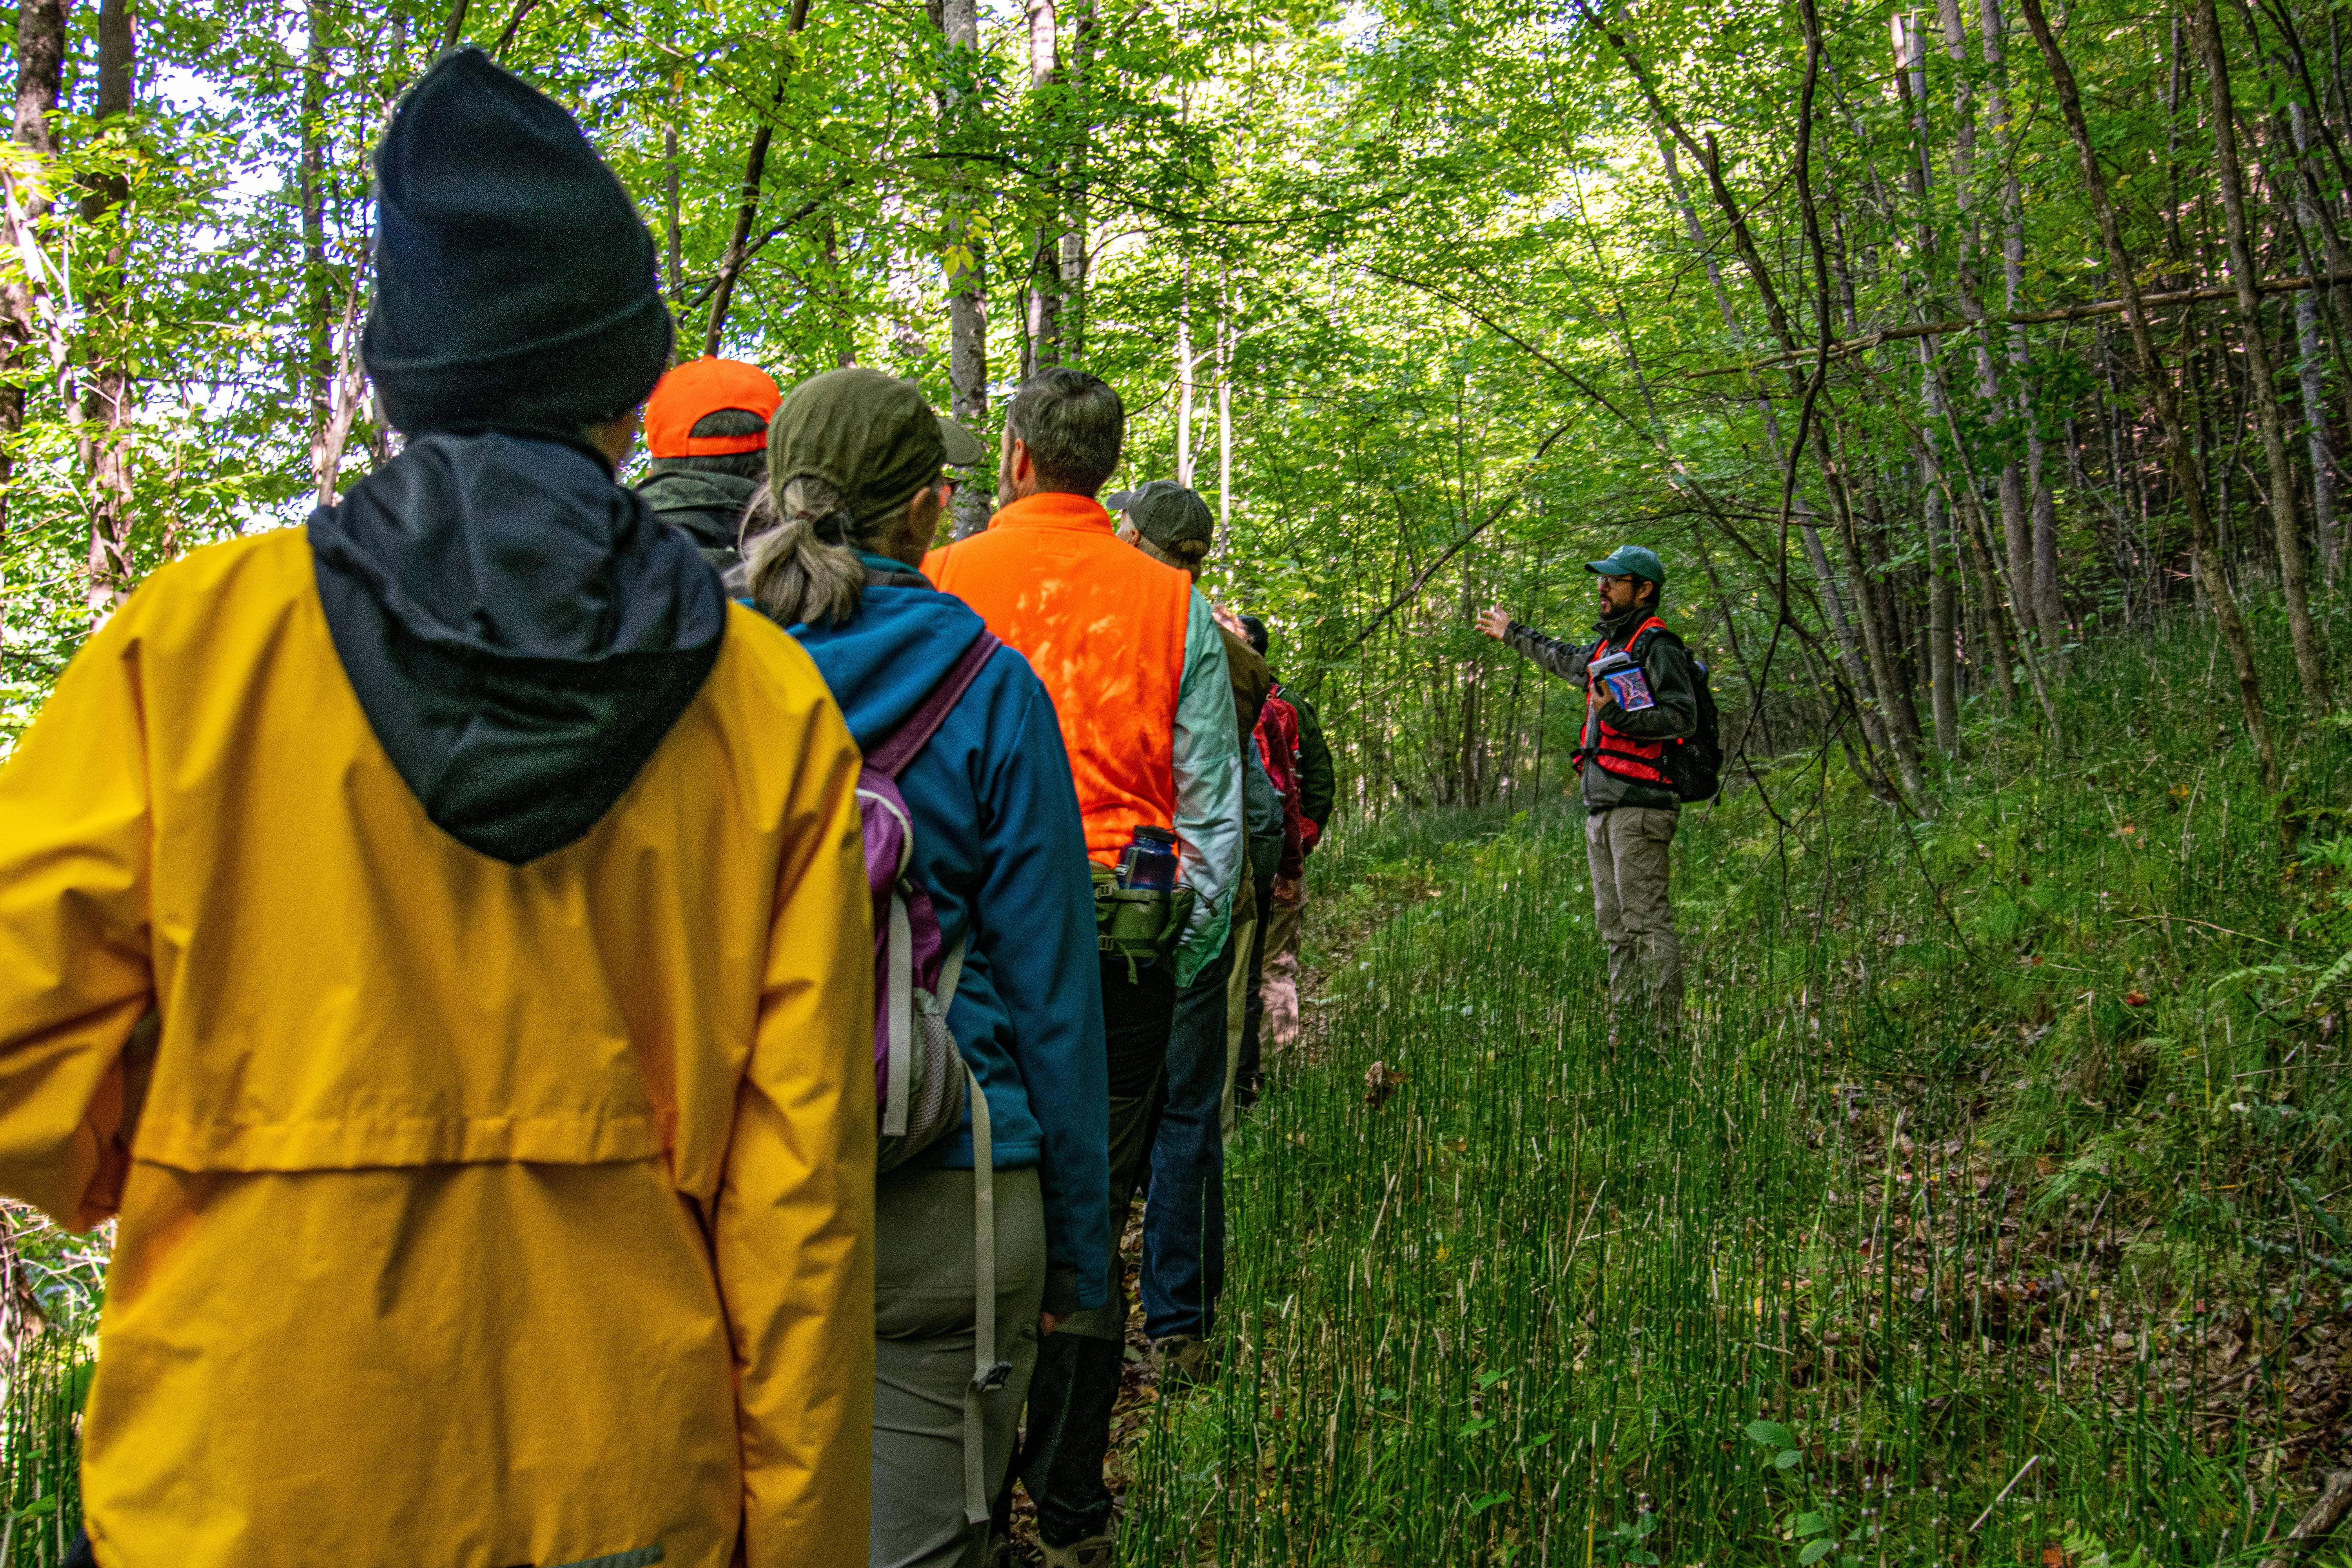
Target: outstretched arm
[{"x": 1564, "y": 659}]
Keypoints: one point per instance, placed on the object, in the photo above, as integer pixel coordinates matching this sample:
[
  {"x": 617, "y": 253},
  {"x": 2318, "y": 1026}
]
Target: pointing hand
[{"x": 1495, "y": 621}]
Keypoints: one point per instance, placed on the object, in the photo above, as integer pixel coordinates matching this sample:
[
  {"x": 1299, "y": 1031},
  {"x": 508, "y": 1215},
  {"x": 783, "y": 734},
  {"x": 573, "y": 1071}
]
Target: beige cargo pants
[
  {"x": 1279, "y": 1030},
  {"x": 1628, "y": 848}
]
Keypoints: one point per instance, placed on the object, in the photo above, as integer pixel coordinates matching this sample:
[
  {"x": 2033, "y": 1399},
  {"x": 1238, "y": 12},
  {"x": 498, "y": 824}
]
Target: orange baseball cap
[{"x": 701, "y": 387}]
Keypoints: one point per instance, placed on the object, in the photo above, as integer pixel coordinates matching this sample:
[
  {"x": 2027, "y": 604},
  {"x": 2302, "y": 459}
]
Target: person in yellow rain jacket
[{"x": 498, "y": 1188}]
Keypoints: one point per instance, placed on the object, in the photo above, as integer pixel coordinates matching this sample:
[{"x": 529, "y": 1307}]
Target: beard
[{"x": 1006, "y": 494}]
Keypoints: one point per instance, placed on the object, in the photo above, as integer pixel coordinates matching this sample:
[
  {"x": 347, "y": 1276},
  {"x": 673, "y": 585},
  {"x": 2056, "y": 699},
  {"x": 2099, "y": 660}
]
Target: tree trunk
[
  {"x": 40, "y": 71},
  {"x": 107, "y": 394},
  {"x": 1079, "y": 119},
  {"x": 2017, "y": 545},
  {"x": 1225, "y": 412},
  {"x": 318, "y": 284},
  {"x": 1185, "y": 364},
  {"x": 755, "y": 169},
  {"x": 673, "y": 249},
  {"x": 2269, "y": 419},
  {"x": 1809, "y": 529},
  {"x": 2188, "y": 474},
  {"x": 2049, "y": 609},
  {"x": 2312, "y": 369},
  {"x": 1044, "y": 256},
  {"x": 967, "y": 279}
]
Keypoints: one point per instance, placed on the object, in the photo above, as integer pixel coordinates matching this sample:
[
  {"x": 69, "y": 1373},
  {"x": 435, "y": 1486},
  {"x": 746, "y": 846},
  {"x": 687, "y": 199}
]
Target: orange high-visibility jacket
[
  {"x": 1102, "y": 626},
  {"x": 476, "y": 1213}
]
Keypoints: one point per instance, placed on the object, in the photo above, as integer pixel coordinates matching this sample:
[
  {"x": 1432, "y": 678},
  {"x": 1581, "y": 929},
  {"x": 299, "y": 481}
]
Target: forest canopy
[{"x": 1919, "y": 342}]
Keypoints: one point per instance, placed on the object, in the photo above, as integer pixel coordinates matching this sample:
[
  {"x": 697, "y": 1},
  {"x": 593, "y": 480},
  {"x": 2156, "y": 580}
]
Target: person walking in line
[
  {"x": 707, "y": 432},
  {"x": 1272, "y": 999},
  {"x": 1639, "y": 698},
  {"x": 440, "y": 934},
  {"x": 856, "y": 493},
  {"x": 1131, "y": 657},
  {"x": 1317, "y": 786},
  {"x": 1185, "y": 1212},
  {"x": 1269, "y": 825}
]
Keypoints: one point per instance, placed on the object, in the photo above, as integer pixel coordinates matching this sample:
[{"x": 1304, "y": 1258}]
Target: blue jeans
[{"x": 1184, "y": 1215}]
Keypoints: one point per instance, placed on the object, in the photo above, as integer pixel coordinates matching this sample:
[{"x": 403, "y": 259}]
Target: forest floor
[{"x": 1985, "y": 1208}]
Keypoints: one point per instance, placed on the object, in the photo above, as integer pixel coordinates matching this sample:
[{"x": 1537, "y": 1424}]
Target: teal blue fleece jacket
[{"x": 999, "y": 844}]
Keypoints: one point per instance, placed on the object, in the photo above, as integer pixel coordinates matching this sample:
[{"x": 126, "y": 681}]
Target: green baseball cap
[
  {"x": 1631, "y": 560},
  {"x": 1165, "y": 512},
  {"x": 869, "y": 436}
]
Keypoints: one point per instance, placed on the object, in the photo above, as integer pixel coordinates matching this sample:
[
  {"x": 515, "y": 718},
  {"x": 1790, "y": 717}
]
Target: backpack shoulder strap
[
  {"x": 892, "y": 755},
  {"x": 1652, "y": 630}
]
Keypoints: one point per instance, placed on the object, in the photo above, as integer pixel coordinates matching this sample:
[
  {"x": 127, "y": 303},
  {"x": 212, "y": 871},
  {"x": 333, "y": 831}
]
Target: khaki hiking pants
[
  {"x": 924, "y": 1326},
  {"x": 1280, "y": 984},
  {"x": 1628, "y": 848},
  {"x": 1245, "y": 929}
]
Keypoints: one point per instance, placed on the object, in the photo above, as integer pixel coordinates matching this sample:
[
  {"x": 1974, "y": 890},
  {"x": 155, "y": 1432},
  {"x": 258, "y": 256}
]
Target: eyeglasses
[{"x": 1614, "y": 581}]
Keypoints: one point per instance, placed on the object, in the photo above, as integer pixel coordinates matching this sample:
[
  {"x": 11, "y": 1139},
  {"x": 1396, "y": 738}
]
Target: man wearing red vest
[
  {"x": 1639, "y": 700},
  {"x": 1136, "y": 666}
]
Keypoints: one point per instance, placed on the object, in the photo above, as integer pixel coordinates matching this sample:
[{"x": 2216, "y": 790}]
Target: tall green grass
[
  {"x": 1936, "y": 1232},
  {"x": 40, "y": 1476}
]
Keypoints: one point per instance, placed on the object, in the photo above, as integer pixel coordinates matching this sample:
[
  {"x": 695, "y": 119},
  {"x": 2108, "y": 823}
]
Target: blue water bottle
[{"x": 1148, "y": 862}]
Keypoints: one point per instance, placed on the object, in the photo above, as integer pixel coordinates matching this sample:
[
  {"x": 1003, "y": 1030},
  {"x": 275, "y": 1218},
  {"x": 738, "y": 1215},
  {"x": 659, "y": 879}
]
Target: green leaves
[{"x": 1774, "y": 1435}]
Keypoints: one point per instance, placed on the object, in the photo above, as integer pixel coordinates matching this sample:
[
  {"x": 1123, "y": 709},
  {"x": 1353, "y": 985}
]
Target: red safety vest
[{"x": 1617, "y": 751}]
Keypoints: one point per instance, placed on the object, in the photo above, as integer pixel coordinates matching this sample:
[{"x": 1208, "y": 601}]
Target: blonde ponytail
[
  {"x": 802, "y": 558},
  {"x": 804, "y": 566}
]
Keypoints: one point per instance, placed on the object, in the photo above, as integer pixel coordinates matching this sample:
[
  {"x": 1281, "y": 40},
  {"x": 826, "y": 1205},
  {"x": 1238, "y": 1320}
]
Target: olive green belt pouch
[{"x": 1138, "y": 924}]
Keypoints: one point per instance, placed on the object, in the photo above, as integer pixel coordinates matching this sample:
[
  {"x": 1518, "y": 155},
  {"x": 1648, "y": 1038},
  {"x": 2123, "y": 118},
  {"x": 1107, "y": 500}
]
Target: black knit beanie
[{"x": 515, "y": 287}]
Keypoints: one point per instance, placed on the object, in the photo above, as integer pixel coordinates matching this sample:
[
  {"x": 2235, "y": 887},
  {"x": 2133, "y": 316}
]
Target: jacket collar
[
  {"x": 885, "y": 572},
  {"x": 1054, "y": 508},
  {"x": 1622, "y": 625}
]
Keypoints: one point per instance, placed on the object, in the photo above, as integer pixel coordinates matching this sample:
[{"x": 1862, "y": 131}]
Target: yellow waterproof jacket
[{"x": 475, "y": 1215}]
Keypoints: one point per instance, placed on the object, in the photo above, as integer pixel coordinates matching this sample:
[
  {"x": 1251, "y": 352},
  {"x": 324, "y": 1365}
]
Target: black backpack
[{"x": 1695, "y": 762}]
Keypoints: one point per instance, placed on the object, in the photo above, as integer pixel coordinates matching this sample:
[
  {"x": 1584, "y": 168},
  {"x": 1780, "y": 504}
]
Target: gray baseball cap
[{"x": 1165, "y": 512}]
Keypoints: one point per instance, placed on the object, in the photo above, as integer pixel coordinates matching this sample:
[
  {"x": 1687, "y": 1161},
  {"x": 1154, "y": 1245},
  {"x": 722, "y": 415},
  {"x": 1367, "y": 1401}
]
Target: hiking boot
[
  {"x": 1094, "y": 1552},
  {"x": 1179, "y": 1360}
]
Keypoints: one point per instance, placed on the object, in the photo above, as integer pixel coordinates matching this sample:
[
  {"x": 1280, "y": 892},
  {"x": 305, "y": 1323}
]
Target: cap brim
[
  {"x": 1118, "y": 500},
  {"x": 963, "y": 447},
  {"x": 1603, "y": 567}
]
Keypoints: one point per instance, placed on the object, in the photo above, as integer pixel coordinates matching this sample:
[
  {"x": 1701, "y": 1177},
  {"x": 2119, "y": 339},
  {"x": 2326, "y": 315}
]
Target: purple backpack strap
[{"x": 891, "y": 757}]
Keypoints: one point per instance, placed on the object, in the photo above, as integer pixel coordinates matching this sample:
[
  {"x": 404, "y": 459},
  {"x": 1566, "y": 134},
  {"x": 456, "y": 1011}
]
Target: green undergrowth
[{"x": 1984, "y": 1208}]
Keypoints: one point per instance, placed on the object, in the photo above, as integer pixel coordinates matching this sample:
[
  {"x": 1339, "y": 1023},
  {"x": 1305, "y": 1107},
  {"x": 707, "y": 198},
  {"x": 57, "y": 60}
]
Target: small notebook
[{"x": 1630, "y": 688}]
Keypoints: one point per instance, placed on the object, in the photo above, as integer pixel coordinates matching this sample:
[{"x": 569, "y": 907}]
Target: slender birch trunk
[
  {"x": 40, "y": 73},
  {"x": 107, "y": 396},
  {"x": 1076, "y": 209},
  {"x": 2188, "y": 473},
  {"x": 965, "y": 254},
  {"x": 2269, "y": 420},
  {"x": 1868, "y": 706},
  {"x": 2049, "y": 607},
  {"x": 1186, "y": 366},
  {"x": 1044, "y": 293},
  {"x": 2312, "y": 371},
  {"x": 1225, "y": 412}
]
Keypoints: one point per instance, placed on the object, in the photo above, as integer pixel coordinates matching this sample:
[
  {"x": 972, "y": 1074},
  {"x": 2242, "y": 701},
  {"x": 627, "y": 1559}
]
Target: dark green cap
[
  {"x": 869, "y": 436},
  {"x": 1165, "y": 512},
  {"x": 1631, "y": 560}
]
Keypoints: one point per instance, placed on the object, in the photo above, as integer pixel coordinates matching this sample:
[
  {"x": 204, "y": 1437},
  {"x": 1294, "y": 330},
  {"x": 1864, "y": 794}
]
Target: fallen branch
[
  {"x": 1870, "y": 341},
  {"x": 2319, "y": 1519}
]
